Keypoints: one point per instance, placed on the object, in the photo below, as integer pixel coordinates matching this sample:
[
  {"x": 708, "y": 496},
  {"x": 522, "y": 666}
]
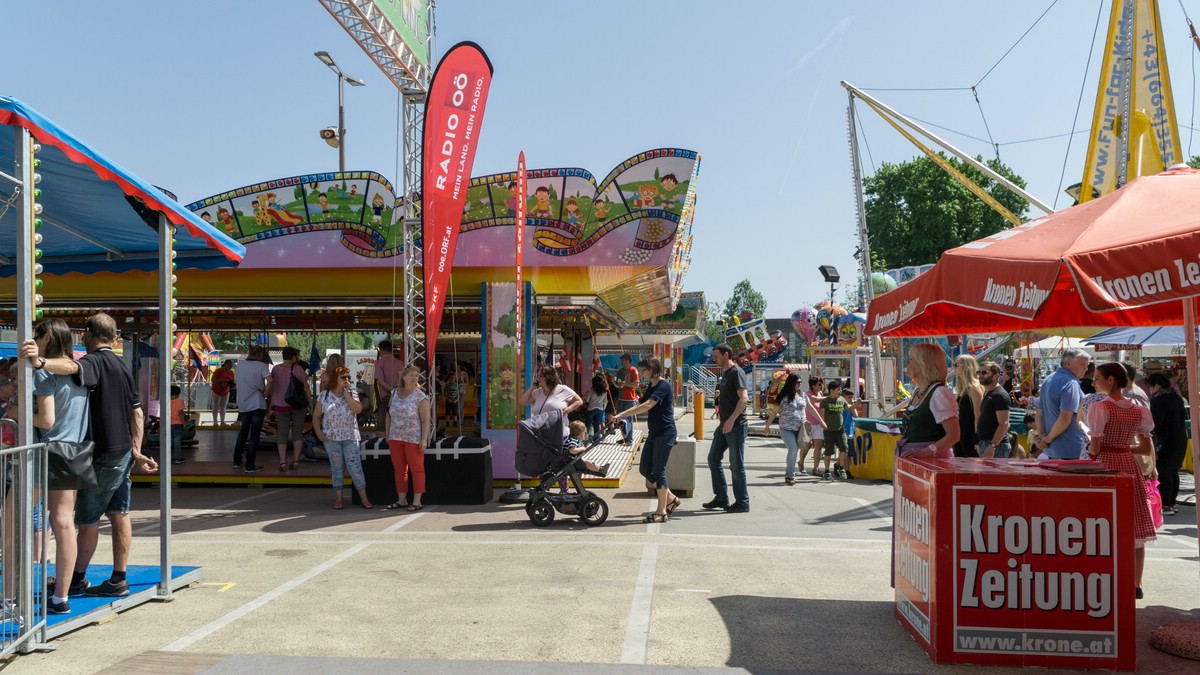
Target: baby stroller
[{"x": 540, "y": 453}]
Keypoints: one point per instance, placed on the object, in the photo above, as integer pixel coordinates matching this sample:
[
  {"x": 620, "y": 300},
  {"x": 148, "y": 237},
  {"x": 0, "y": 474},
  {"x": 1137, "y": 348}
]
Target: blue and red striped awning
[{"x": 95, "y": 212}]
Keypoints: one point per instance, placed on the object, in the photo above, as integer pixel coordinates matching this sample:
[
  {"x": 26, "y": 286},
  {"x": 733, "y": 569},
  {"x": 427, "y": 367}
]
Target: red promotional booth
[{"x": 1000, "y": 563}]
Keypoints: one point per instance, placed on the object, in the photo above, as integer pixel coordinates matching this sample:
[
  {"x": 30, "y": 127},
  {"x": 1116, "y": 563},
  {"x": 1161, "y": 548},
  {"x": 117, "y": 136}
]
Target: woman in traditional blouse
[
  {"x": 335, "y": 422},
  {"x": 930, "y": 421},
  {"x": 1118, "y": 429}
]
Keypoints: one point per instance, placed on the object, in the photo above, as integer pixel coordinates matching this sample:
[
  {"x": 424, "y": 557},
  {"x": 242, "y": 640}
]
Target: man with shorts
[
  {"x": 832, "y": 407},
  {"x": 628, "y": 398},
  {"x": 730, "y": 435},
  {"x": 116, "y": 422}
]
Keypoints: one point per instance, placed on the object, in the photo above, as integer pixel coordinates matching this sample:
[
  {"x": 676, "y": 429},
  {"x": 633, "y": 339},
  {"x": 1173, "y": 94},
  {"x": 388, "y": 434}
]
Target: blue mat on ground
[{"x": 140, "y": 577}]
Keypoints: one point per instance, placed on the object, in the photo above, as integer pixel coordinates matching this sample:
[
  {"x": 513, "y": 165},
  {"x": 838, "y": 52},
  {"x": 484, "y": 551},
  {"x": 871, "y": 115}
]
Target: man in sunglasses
[{"x": 992, "y": 426}]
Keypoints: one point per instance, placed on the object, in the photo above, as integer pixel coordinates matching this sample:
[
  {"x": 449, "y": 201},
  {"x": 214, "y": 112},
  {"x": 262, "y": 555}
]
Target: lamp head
[
  {"x": 330, "y": 136},
  {"x": 830, "y": 273}
]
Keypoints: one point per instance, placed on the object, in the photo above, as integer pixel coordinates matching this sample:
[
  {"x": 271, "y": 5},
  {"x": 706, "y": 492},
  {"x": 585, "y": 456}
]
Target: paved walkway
[{"x": 798, "y": 584}]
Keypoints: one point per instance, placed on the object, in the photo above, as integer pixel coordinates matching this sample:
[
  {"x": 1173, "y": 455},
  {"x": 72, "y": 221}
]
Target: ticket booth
[{"x": 997, "y": 562}]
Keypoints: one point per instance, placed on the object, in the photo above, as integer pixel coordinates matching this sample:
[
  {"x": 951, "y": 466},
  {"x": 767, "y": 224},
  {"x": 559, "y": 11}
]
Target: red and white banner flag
[
  {"x": 519, "y": 221},
  {"x": 453, "y": 116}
]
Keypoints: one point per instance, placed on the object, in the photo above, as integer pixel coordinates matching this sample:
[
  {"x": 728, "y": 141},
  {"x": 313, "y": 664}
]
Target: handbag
[
  {"x": 295, "y": 395},
  {"x": 1154, "y": 502},
  {"x": 69, "y": 465}
]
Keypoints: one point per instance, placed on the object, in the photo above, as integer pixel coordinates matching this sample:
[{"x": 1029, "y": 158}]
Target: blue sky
[{"x": 203, "y": 96}]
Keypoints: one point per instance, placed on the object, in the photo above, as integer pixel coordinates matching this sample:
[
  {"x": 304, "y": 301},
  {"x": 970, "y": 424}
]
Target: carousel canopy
[{"x": 96, "y": 215}]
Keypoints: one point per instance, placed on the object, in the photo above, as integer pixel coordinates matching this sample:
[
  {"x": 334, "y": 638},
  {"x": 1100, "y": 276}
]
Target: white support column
[
  {"x": 27, "y": 214},
  {"x": 874, "y": 376},
  {"x": 166, "y": 297}
]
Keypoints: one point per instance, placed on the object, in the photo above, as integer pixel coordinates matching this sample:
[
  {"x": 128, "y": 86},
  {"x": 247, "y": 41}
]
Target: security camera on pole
[{"x": 336, "y": 136}]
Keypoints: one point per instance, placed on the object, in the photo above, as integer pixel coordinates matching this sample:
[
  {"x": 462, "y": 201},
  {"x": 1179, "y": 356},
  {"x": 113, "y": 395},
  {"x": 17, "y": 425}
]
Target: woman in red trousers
[{"x": 408, "y": 432}]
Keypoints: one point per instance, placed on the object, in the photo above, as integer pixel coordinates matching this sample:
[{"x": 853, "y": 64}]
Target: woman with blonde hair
[
  {"x": 930, "y": 423},
  {"x": 969, "y": 393},
  {"x": 409, "y": 427}
]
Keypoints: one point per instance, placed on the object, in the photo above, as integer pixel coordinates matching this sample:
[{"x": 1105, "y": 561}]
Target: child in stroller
[
  {"x": 574, "y": 445},
  {"x": 542, "y": 452}
]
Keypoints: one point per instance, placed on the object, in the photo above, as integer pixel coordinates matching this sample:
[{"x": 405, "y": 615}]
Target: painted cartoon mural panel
[
  {"x": 502, "y": 356},
  {"x": 639, "y": 214},
  {"x": 278, "y": 220}
]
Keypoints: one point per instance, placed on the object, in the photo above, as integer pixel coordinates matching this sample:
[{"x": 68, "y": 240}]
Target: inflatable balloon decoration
[
  {"x": 882, "y": 283},
  {"x": 804, "y": 320}
]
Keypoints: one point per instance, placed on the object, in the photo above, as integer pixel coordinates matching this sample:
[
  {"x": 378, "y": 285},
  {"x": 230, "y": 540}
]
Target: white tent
[{"x": 1053, "y": 347}]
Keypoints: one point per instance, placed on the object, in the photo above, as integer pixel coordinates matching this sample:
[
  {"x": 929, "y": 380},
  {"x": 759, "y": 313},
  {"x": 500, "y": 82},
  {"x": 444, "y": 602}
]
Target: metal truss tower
[{"x": 366, "y": 23}]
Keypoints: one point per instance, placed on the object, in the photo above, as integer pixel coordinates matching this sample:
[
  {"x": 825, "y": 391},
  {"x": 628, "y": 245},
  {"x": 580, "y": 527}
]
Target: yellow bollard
[{"x": 698, "y": 413}]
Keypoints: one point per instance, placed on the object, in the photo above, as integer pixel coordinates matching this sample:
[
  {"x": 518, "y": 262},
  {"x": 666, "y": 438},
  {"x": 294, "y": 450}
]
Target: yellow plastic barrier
[
  {"x": 874, "y": 455},
  {"x": 698, "y": 413}
]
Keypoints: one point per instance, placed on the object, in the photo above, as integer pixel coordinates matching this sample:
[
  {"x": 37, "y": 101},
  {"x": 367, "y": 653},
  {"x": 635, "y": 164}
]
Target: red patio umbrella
[
  {"x": 1125, "y": 259},
  {"x": 1129, "y": 258}
]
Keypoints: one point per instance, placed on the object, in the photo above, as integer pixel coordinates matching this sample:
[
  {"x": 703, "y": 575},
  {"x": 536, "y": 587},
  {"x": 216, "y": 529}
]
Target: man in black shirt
[
  {"x": 992, "y": 426},
  {"x": 1170, "y": 432},
  {"x": 116, "y": 431},
  {"x": 730, "y": 434}
]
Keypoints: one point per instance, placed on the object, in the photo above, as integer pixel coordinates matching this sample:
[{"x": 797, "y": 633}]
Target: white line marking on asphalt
[
  {"x": 637, "y": 630},
  {"x": 881, "y": 548},
  {"x": 404, "y": 521},
  {"x": 216, "y": 509},
  {"x": 214, "y": 626},
  {"x": 874, "y": 509},
  {"x": 1181, "y": 542}
]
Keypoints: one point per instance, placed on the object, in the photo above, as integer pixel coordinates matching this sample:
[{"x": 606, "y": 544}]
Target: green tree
[
  {"x": 1194, "y": 162},
  {"x": 746, "y": 298},
  {"x": 712, "y": 323},
  {"x": 915, "y": 210},
  {"x": 240, "y": 342}
]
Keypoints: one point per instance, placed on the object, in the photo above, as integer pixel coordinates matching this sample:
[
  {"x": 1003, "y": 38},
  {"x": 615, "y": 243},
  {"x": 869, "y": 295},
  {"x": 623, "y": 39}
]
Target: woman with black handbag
[{"x": 61, "y": 417}]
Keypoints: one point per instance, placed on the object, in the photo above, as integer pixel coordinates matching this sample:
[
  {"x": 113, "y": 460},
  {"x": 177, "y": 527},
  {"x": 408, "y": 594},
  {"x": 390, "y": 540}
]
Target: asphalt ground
[{"x": 800, "y": 583}]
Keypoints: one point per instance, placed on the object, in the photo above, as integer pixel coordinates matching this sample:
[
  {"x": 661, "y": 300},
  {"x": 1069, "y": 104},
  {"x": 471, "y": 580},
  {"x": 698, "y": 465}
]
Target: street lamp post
[{"x": 325, "y": 58}]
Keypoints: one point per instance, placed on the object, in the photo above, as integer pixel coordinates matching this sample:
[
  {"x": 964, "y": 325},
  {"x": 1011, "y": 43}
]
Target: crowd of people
[
  {"x": 1082, "y": 411},
  {"x": 1123, "y": 427}
]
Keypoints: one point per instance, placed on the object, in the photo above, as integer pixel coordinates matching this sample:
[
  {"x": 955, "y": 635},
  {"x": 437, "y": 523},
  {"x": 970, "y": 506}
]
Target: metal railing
[
  {"x": 704, "y": 378},
  {"x": 24, "y": 523}
]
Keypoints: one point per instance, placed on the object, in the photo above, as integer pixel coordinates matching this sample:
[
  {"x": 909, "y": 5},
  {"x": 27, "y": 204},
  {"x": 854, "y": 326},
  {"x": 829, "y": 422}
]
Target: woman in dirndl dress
[{"x": 1120, "y": 428}]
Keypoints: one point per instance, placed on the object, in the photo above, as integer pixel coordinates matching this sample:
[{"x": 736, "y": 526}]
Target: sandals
[
  {"x": 414, "y": 507},
  {"x": 672, "y": 505},
  {"x": 295, "y": 464},
  {"x": 656, "y": 518},
  {"x": 337, "y": 506},
  {"x": 395, "y": 506},
  {"x": 283, "y": 467}
]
